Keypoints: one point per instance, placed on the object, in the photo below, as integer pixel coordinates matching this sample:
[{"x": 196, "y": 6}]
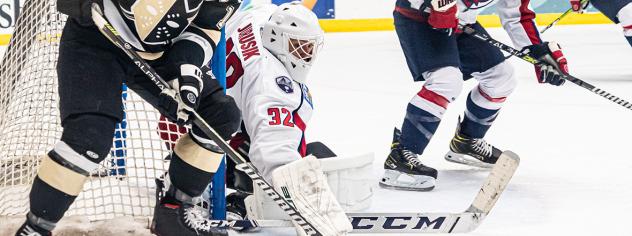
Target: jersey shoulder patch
[{"x": 285, "y": 84}]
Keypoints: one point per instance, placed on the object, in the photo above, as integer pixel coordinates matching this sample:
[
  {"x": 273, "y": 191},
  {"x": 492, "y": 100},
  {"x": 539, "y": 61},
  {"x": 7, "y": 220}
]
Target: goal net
[{"x": 30, "y": 126}]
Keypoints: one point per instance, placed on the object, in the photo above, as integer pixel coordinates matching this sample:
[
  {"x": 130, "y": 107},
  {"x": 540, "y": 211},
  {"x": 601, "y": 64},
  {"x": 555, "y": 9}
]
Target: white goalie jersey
[{"x": 275, "y": 108}]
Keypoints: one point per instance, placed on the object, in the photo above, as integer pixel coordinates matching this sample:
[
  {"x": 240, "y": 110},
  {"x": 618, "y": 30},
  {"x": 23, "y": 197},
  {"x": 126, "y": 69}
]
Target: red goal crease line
[{"x": 386, "y": 24}]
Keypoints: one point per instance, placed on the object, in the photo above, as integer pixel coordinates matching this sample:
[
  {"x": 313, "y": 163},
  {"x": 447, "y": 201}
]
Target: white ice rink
[{"x": 575, "y": 176}]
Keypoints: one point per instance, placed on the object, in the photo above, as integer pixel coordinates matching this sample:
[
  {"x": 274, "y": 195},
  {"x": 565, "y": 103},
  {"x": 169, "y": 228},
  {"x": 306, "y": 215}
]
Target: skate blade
[
  {"x": 426, "y": 189},
  {"x": 466, "y": 160},
  {"x": 391, "y": 180}
]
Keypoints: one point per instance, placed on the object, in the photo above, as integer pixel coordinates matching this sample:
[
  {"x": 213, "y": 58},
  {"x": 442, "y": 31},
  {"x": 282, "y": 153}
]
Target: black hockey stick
[
  {"x": 111, "y": 33},
  {"x": 524, "y": 56}
]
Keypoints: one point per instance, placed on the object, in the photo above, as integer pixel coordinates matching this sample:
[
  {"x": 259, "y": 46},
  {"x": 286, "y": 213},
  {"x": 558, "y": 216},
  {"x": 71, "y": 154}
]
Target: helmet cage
[{"x": 302, "y": 49}]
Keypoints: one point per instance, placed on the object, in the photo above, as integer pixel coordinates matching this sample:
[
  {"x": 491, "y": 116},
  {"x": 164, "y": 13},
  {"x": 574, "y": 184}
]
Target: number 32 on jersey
[{"x": 280, "y": 116}]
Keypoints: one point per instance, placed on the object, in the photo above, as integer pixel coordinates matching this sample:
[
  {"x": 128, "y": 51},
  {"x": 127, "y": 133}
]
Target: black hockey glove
[
  {"x": 553, "y": 64},
  {"x": 80, "y": 10},
  {"x": 183, "y": 99}
]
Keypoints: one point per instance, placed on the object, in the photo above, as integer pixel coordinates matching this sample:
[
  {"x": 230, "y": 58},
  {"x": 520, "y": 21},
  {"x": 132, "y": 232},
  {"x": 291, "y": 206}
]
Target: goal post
[{"x": 218, "y": 185}]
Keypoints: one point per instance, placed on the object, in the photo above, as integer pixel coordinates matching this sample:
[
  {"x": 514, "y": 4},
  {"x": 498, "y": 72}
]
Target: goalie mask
[{"x": 294, "y": 36}]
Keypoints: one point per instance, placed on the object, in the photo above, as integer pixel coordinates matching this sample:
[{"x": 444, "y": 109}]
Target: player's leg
[
  {"x": 237, "y": 180},
  {"x": 431, "y": 56},
  {"x": 625, "y": 18},
  {"x": 194, "y": 160},
  {"x": 90, "y": 106},
  {"x": 619, "y": 11},
  {"x": 496, "y": 79}
]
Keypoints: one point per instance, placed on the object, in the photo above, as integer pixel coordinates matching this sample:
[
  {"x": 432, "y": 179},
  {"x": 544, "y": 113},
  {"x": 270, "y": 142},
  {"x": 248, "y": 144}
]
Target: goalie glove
[
  {"x": 443, "y": 15},
  {"x": 553, "y": 64},
  {"x": 183, "y": 99},
  {"x": 579, "y": 6}
]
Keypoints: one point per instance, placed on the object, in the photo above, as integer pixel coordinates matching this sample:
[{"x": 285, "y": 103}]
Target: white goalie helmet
[{"x": 294, "y": 36}]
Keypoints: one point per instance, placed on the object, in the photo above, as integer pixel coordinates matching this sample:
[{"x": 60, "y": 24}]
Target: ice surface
[
  {"x": 574, "y": 177},
  {"x": 575, "y": 174}
]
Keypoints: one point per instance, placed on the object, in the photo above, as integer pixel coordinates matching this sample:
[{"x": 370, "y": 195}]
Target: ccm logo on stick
[{"x": 396, "y": 222}]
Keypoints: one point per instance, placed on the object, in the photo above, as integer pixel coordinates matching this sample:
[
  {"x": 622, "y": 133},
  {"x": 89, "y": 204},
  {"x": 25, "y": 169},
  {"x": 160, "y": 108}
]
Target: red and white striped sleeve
[{"x": 518, "y": 19}]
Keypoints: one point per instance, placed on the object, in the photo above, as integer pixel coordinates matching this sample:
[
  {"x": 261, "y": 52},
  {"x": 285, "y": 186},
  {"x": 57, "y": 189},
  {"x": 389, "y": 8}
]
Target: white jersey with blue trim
[{"x": 275, "y": 109}]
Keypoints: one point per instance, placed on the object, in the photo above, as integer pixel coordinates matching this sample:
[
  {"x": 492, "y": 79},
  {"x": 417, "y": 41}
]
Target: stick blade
[{"x": 495, "y": 183}]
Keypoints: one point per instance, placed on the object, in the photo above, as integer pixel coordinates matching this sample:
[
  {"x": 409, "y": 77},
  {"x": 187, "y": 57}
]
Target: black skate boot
[
  {"x": 30, "y": 228},
  {"x": 235, "y": 206},
  {"x": 471, "y": 151},
  {"x": 182, "y": 218},
  {"x": 404, "y": 163}
]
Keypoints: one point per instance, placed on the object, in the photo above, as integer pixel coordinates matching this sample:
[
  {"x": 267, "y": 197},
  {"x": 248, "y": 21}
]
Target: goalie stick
[
  {"x": 108, "y": 31},
  {"x": 463, "y": 222},
  {"x": 524, "y": 56}
]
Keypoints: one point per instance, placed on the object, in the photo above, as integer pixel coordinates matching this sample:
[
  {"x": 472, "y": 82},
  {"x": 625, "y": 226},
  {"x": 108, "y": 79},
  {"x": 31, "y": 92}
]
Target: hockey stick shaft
[
  {"x": 524, "y": 56},
  {"x": 111, "y": 33},
  {"x": 560, "y": 18},
  {"x": 556, "y": 20}
]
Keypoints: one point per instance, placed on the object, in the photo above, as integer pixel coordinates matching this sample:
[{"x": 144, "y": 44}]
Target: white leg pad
[
  {"x": 351, "y": 179},
  {"x": 304, "y": 185},
  {"x": 259, "y": 206}
]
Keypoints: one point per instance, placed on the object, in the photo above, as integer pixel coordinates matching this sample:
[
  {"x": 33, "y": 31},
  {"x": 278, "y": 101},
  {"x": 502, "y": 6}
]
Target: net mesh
[{"x": 30, "y": 126}]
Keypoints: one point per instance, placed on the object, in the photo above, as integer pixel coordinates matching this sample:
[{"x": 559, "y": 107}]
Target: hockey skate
[
  {"x": 235, "y": 206},
  {"x": 471, "y": 151},
  {"x": 404, "y": 171},
  {"x": 34, "y": 229},
  {"x": 174, "y": 217}
]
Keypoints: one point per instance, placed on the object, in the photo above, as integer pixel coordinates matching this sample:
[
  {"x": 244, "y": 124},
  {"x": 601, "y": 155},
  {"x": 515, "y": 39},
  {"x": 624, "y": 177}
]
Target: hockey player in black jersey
[{"x": 176, "y": 37}]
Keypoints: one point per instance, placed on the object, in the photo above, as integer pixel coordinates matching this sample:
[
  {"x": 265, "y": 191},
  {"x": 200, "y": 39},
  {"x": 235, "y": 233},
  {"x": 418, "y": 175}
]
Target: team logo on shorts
[{"x": 285, "y": 84}]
